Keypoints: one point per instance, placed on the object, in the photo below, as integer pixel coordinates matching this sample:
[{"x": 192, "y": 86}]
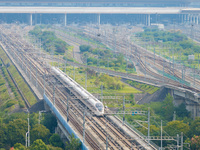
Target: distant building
[{"x": 159, "y": 26}]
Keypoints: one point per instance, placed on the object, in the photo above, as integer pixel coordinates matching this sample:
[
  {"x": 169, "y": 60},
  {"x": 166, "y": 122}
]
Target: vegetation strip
[
  {"x": 19, "y": 80},
  {"x": 16, "y": 92},
  {"x": 19, "y": 90}
]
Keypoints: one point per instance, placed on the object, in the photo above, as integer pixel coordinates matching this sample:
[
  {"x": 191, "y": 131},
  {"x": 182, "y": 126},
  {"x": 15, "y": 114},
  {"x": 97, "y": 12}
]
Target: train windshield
[{"x": 99, "y": 106}]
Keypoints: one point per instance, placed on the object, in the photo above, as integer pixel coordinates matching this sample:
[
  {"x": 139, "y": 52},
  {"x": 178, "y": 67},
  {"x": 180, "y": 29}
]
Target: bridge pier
[
  {"x": 40, "y": 18},
  {"x": 46, "y": 107},
  {"x": 65, "y": 20},
  {"x": 185, "y": 18},
  {"x": 182, "y": 19},
  {"x": 191, "y": 17},
  {"x": 194, "y": 20},
  {"x": 35, "y": 19},
  {"x": 191, "y": 101},
  {"x": 31, "y": 19},
  {"x": 64, "y": 135},
  {"x": 98, "y": 19},
  {"x": 149, "y": 20},
  {"x": 188, "y": 18},
  {"x": 197, "y": 19}
]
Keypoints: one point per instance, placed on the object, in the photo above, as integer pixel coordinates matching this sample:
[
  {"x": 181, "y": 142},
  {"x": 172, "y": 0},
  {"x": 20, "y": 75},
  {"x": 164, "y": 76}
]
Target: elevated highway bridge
[
  {"x": 145, "y": 14},
  {"x": 99, "y": 3}
]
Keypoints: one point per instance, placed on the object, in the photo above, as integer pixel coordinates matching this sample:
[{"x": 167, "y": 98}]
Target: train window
[{"x": 99, "y": 106}]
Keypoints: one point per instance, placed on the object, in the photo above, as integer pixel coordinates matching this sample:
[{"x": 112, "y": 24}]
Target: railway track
[
  {"x": 117, "y": 140},
  {"x": 121, "y": 45}
]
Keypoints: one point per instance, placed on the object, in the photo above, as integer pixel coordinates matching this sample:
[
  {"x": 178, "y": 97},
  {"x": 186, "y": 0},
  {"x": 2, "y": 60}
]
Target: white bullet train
[{"x": 92, "y": 102}]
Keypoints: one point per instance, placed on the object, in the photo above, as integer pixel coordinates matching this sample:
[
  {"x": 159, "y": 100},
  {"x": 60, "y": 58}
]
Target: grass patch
[
  {"x": 144, "y": 87},
  {"x": 6, "y": 103},
  {"x": 23, "y": 86}
]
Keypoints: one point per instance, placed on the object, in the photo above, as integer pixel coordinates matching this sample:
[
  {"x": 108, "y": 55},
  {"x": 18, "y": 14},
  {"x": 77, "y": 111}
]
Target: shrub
[{"x": 10, "y": 103}]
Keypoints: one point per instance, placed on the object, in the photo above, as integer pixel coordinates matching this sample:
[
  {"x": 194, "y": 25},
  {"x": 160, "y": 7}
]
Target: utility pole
[
  {"x": 30, "y": 73},
  {"x": 73, "y": 71},
  {"x": 84, "y": 126},
  {"x": 123, "y": 109},
  {"x": 98, "y": 56},
  {"x": 36, "y": 78},
  {"x": 154, "y": 55},
  {"x": 67, "y": 108},
  {"x": 101, "y": 93},
  {"x": 54, "y": 97},
  {"x": 39, "y": 117},
  {"x": 28, "y": 131},
  {"x": 173, "y": 62},
  {"x": 163, "y": 70},
  {"x": 126, "y": 56},
  {"x": 177, "y": 141},
  {"x": 22, "y": 61},
  {"x": 44, "y": 84},
  {"x": 198, "y": 61},
  {"x": 106, "y": 139},
  {"x": 108, "y": 62},
  {"x": 161, "y": 136},
  {"x": 66, "y": 64},
  {"x": 73, "y": 66},
  {"x": 182, "y": 74},
  {"x": 145, "y": 67},
  {"x": 148, "y": 125},
  {"x": 174, "y": 116},
  {"x": 86, "y": 75},
  {"x": 181, "y": 140},
  {"x": 194, "y": 75}
]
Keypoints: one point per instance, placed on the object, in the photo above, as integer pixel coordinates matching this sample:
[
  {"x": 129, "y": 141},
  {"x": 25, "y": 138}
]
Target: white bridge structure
[{"x": 190, "y": 15}]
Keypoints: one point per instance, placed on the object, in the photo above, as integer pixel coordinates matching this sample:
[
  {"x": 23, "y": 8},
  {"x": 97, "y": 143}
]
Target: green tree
[
  {"x": 16, "y": 131},
  {"x": 120, "y": 58},
  {"x": 60, "y": 46},
  {"x": 55, "y": 140},
  {"x": 176, "y": 127},
  {"x": 181, "y": 111},
  {"x": 155, "y": 131},
  {"x": 34, "y": 119},
  {"x": 39, "y": 145},
  {"x": 85, "y": 48},
  {"x": 15, "y": 116},
  {"x": 39, "y": 131},
  {"x": 54, "y": 148},
  {"x": 50, "y": 122},
  {"x": 167, "y": 107},
  {"x": 3, "y": 135},
  {"x": 195, "y": 127},
  {"x": 74, "y": 144},
  {"x": 19, "y": 146}
]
